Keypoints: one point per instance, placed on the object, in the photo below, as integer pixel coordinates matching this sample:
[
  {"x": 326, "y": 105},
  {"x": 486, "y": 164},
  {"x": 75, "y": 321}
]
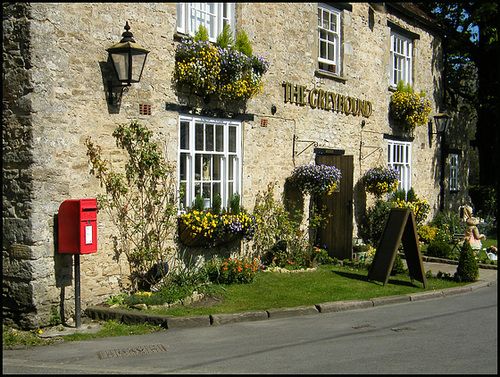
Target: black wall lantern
[
  {"x": 128, "y": 59},
  {"x": 442, "y": 121}
]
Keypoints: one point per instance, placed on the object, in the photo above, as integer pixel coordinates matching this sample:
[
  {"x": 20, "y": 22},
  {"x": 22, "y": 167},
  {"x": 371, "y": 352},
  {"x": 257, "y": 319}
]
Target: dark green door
[{"x": 337, "y": 234}]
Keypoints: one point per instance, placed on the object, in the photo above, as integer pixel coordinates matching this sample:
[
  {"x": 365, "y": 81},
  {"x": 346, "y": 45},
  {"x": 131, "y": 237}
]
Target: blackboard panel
[
  {"x": 412, "y": 251},
  {"x": 400, "y": 226},
  {"x": 383, "y": 260}
]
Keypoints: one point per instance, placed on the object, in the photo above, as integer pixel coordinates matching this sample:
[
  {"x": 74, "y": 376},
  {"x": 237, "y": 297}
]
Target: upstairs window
[
  {"x": 399, "y": 158},
  {"x": 213, "y": 16},
  {"x": 401, "y": 59},
  {"x": 329, "y": 39}
]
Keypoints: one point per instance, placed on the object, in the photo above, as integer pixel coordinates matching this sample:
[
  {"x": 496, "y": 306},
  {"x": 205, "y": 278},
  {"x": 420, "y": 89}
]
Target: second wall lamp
[{"x": 128, "y": 59}]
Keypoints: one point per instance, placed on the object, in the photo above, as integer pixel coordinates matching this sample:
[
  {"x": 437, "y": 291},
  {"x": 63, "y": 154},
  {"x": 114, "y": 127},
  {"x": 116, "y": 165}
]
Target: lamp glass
[
  {"x": 138, "y": 60},
  {"x": 121, "y": 63},
  {"x": 442, "y": 122}
]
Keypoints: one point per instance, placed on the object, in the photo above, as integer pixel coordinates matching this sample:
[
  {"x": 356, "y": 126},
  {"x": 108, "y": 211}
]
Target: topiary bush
[
  {"x": 467, "y": 270},
  {"x": 398, "y": 267},
  {"x": 439, "y": 249}
]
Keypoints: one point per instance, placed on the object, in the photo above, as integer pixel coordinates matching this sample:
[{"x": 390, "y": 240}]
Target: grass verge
[
  {"x": 328, "y": 283},
  {"x": 270, "y": 290}
]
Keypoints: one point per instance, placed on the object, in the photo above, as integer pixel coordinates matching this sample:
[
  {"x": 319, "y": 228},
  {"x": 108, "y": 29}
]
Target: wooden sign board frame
[{"x": 400, "y": 226}]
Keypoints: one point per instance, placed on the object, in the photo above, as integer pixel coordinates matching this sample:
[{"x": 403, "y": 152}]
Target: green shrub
[
  {"x": 398, "y": 267},
  {"x": 439, "y": 249},
  {"x": 279, "y": 240},
  {"x": 448, "y": 224},
  {"x": 242, "y": 44},
  {"x": 217, "y": 205},
  {"x": 484, "y": 199},
  {"x": 320, "y": 256},
  {"x": 373, "y": 223},
  {"x": 427, "y": 233},
  {"x": 467, "y": 270}
]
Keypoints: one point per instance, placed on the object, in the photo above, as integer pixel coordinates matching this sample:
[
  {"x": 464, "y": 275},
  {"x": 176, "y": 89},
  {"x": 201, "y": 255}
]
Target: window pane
[
  {"x": 216, "y": 189},
  {"x": 207, "y": 190},
  {"x": 209, "y": 137},
  {"x": 207, "y": 167},
  {"x": 322, "y": 49},
  {"x": 230, "y": 168},
  {"x": 217, "y": 168},
  {"x": 183, "y": 195},
  {"x": 232, "y": 139},
  {"x": 183, "y": 167},
  {"x": 333, "y": 22},
  {"x": 219, "y": 138},
  {"x": 184, "y": 134},
  {"x": 230, "y": 191},
  {"x": 331, "y": 52},
  {"x": 197, "y": 167},
  {"x": 199, "y": 136}
]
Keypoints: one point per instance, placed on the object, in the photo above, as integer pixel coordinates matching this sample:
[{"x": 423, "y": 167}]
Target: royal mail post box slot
[
  {"x": 78, "y": 226},
  {"x": 88, "y": 214}
]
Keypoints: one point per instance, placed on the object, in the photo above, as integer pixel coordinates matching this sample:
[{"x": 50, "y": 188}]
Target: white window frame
[
  {"x": 453, "y": 171},
  {"x": 330, "y": 39},
  {"x": 399, "y": 158},
  {"x": 195, "y": 154},
  {"x": 401, "y": 59},
  {"x": 214, "y": 16}
]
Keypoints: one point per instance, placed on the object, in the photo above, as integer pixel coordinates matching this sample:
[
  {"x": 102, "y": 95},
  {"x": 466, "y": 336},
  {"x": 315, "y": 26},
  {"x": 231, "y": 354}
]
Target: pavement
[{"x": 94, "y": 314}]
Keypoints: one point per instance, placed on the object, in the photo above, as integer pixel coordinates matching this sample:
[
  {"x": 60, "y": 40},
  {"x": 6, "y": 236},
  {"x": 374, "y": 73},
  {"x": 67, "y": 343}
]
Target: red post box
[{"x": 78, "y": 226}]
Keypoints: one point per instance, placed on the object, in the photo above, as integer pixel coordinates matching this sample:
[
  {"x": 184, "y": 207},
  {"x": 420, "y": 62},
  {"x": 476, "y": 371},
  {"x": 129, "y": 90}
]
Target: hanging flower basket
[
  {"x": 379, "y": 181},
  {"x": 316, "y": 179},
  {"x": 225, "y": 73},
  {"x": 409, "y": 109}
]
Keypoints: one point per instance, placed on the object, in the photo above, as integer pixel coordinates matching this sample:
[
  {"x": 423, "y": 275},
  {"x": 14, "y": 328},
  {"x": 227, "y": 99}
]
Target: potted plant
[
  {"x": 228, "y": 71},
  {"x": 204, "y": 228},
  {"x": 409, "y": 109},
  {"x": 379, "y": 181},
  {"x": 316, "y": 179}
]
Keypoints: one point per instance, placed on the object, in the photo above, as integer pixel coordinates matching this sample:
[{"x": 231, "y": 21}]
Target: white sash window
[
  {"x": 329, "y": 39},
  {"x": 401, "y": 59},
  {"x": 399, "y": 158},
  {"x": 209, "y": 159},
  {"x": 213, "y": 16}
]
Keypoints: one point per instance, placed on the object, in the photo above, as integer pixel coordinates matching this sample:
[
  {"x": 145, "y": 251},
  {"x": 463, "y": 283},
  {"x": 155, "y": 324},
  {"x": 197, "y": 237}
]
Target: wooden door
[{"x": 337, "y": 233}]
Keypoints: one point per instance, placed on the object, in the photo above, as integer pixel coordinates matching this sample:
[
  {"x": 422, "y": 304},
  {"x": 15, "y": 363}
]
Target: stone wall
[{"x": 54, "y": 98}]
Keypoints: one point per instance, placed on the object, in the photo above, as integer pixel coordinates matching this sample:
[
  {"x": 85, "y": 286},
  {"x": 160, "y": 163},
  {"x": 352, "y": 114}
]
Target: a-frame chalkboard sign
[{"x": 400, "y": 226}]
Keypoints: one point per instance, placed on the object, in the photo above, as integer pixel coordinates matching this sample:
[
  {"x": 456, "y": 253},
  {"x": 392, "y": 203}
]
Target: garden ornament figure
[{"x": 471, "y": 232}]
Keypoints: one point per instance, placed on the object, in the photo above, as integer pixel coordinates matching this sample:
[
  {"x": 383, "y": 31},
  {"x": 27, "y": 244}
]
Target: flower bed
[{"x": 316, "y": 179}]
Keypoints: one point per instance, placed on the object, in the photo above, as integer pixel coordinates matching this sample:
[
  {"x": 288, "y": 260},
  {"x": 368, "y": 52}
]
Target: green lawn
[
  {"x": 329, "y": 283},
  {"x": 269, "y": 290}
]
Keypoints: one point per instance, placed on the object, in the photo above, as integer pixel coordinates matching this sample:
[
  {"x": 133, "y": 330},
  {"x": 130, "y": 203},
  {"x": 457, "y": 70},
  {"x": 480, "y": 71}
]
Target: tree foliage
[{"x": 471, "y": 59}]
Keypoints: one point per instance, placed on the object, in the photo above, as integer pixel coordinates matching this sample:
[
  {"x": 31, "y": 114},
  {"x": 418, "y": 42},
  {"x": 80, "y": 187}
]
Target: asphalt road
[{"x": 452, "y": 334}]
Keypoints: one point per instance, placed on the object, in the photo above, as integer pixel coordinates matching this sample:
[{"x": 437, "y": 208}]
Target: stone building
[{"x": 332, "y": 70}]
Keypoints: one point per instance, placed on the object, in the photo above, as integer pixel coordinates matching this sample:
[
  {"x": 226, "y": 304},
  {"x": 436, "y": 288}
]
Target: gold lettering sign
[{"x": 329, "y": 101}]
